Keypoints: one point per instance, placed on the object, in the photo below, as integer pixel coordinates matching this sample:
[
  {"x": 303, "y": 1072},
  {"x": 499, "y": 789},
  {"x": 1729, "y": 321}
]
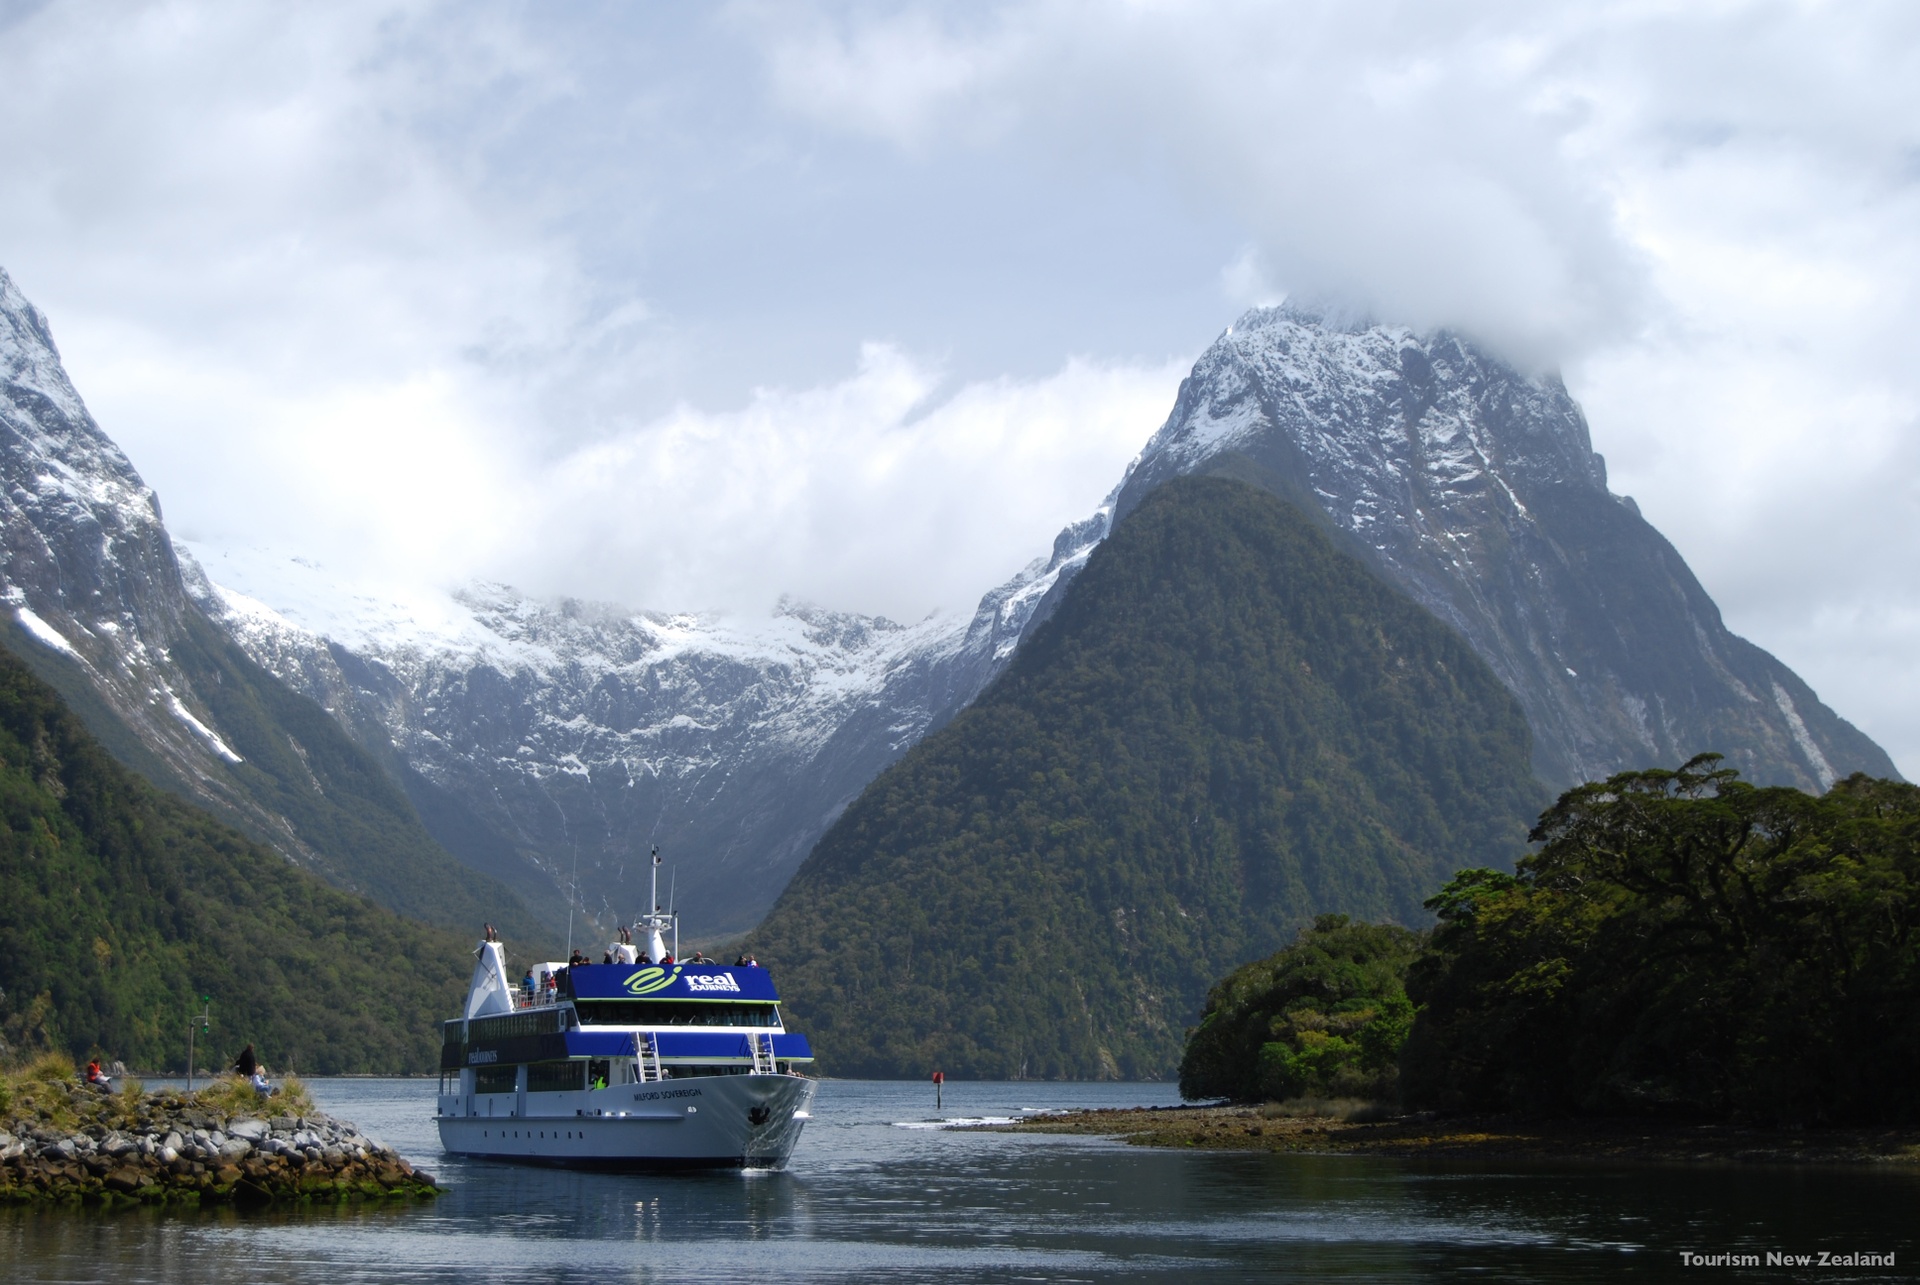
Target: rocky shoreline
[
  {"x": 66, "y": 1143},
  {"x": 1250, "y": 1128}
]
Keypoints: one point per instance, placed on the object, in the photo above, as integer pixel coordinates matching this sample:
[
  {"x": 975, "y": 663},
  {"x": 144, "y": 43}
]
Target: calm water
[{"x": 867, "y": 1199}]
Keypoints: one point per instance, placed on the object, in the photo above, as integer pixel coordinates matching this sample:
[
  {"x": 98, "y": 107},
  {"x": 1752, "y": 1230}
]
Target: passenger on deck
[
  {"x": 526, "y": 986},
  {"x": 746, "y": 961},
  {"x": 699, "y": 957},
  {"x": 608, "y": 957},
  {"x": 667, "y": 958}
]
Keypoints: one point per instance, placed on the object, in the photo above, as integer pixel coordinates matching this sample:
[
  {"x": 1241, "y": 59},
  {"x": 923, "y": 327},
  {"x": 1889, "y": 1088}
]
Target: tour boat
[{"x": 629, "y": 1065}]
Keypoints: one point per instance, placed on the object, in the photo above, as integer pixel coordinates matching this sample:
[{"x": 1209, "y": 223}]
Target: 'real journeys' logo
[
  {"x": 712, "y": 982},
  {"x": 649, "y": 980}
]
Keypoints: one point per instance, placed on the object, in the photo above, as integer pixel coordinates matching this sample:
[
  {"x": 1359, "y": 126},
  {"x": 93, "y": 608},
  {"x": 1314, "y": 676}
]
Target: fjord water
[{"x": 875, "y": 1193}]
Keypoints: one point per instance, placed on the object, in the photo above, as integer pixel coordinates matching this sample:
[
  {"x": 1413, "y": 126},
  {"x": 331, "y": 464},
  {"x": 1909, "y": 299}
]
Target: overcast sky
[{"x": 689, "y": 306}]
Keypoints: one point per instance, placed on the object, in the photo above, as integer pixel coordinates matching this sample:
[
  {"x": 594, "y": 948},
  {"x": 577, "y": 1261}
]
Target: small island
[{"x": 62, "y": 1141}]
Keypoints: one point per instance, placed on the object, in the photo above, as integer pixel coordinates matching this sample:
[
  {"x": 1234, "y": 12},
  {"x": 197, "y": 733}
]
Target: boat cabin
[{"x": 600, "y": 1026}]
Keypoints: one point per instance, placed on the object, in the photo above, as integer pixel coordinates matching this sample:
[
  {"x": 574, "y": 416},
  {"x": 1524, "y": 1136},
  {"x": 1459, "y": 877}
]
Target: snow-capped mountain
[
  {"x": 95, "y": 604},
  {"x": 1476, "y": 489},
  {"x": 554, "y": 743},
  {"x": 551, "y": 744}
]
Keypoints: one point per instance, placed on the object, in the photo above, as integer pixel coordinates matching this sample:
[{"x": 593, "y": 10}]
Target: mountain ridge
[
  {"x": 552, "y": 742},
  {"x": 95, "y": 605}
]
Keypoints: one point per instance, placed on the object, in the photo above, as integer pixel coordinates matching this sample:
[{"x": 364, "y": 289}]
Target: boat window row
[
  {"x": 577, "y": 1073},
  {"x": 641, "y": 1012},
  {"x": 542, "y": 1077},
  {"x": 489, "y": 1030}
]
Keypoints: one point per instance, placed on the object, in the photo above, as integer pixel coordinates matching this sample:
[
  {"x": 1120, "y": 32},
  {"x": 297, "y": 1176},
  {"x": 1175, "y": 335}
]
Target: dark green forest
[
  {"x": 1228, "y": 727},
  {"x": 120, "y": 905},
  {"x": 1682, "y": 944},
  {"x": 1685, "y": 942}
]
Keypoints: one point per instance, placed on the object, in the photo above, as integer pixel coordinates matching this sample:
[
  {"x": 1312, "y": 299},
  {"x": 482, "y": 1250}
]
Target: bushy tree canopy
[
  {"x": 1684, "y": 940},
  {"x": 1325, "y": 1017}
]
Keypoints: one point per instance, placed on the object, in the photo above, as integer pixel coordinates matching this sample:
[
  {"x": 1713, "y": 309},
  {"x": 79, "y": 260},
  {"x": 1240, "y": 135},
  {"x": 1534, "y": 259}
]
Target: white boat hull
[{"x": 718, "y": 1121}]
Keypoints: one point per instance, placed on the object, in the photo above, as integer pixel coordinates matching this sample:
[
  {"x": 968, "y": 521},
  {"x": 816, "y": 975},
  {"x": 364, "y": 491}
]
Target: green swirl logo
[{"x": 649, "y": 980}]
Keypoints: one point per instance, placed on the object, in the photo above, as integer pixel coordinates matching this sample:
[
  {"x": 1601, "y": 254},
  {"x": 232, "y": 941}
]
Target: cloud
[
  {"x": 1710, "y": 215},
  {"x": 883, "y": 491},
  {"x": 860, "y": 302},
  {"x": 1413, "y": 160}
]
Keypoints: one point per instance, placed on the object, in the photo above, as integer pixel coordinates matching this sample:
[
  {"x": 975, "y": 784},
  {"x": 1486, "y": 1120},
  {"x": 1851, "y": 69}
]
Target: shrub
[{"x": 1325, "y": 1017}]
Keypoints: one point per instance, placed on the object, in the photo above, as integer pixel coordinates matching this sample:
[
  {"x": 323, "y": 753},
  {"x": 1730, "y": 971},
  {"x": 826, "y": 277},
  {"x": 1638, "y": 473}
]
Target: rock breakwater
[{"x": 65, "y": 1142}]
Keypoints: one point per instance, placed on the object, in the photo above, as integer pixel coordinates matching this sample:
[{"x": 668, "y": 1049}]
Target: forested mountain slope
[
  {"x": 120, "y": 905},
  {"x": 1227, "y": 727}
]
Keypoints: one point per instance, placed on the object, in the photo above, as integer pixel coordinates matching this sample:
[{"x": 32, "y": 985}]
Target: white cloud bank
[{"x": 860, "y": 302}]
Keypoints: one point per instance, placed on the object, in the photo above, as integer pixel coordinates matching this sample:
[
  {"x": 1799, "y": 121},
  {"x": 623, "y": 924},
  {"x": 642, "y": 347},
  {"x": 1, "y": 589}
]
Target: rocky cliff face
[
  {"x": 553, "y": 743},
  {"x": 86, "y": 568},
  {"x": 1476, "y": 489},
  {"x": 95, "y": 604}
]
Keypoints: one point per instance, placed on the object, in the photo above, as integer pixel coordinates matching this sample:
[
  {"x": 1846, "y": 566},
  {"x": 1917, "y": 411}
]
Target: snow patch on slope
[
  {"x": 205, "y": 733},
  {"x": 43, "y": 631},
  {"x": 1804, "y": 738}
]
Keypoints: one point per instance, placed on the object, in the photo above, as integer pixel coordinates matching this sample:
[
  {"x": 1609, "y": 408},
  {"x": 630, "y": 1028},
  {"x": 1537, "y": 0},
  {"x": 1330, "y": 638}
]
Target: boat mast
[{"x": 655, "y": 921}]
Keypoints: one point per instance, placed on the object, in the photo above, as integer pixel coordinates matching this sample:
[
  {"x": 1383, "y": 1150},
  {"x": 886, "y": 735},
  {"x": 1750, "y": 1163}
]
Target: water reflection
[{"x": 867, "y": 1200}]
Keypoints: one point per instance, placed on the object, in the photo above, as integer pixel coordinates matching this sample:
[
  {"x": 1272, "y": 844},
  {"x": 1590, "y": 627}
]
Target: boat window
[
  {"x": 629, "y": 1012},
  {"x": 555, "y": 1077},
  {"x": 496, "y": 1079}
]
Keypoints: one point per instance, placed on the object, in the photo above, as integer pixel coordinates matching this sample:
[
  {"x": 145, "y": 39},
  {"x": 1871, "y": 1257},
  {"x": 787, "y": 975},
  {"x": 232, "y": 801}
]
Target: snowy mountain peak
[
  {"x": 1379, "y": 410},
  {"x": 29, "y": 361},
  {"x": 1476, "y": 489}
]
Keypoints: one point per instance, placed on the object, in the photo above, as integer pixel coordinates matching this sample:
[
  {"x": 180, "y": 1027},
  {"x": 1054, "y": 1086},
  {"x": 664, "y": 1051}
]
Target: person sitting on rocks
[
  {"x": 95, "y": 1076},
  {"x": 246, "y": 1064},
  {"x": 261, "y": 1084}
]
